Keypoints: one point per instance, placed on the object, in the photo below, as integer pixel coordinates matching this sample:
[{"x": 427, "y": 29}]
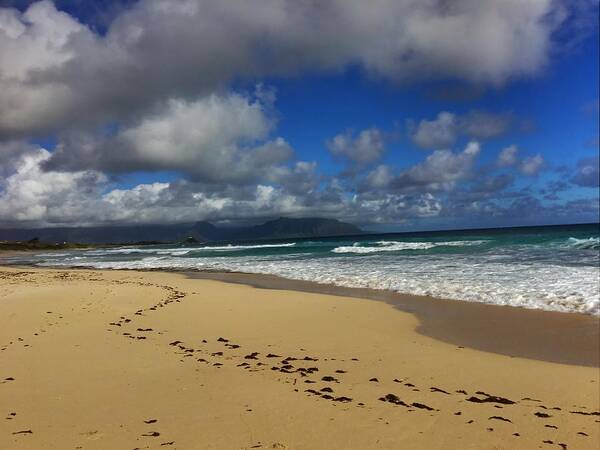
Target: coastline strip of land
[{"x": 122, "y": 359}]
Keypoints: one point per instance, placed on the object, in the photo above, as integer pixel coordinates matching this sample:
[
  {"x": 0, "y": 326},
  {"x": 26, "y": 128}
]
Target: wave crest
[
  {"x": 592, "y": 243},
  {"x": 395, "y": 246}
]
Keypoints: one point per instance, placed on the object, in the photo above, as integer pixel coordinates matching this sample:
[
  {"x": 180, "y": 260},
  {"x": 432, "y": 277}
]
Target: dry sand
[{"x": 125, "y": 360}]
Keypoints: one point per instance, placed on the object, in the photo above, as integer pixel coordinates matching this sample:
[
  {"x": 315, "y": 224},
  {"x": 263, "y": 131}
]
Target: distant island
[{"x": 186, "y": 232}]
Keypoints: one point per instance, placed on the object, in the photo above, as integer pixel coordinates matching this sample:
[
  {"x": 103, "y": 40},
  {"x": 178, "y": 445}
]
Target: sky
[{"x": 392, "y": 115}]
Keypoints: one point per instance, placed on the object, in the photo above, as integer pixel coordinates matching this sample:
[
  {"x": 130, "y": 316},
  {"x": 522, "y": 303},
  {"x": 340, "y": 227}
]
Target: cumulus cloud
[
  {"x": 529, "y": 166},
  {"x": 32, "y": 196},
  {"x": 508, "y": 157},
  {"x": 440, "y": 171},
  {"x": 587, "y": 174},
  {"x": 532, "y": 165},
  {"x": 440, "y": 132},
  {"x": 443, "y": 131},
  {"x": 62, "y": 72},
  {"x": 365, "y": 148},
  {"x": 219, "y": 138}
]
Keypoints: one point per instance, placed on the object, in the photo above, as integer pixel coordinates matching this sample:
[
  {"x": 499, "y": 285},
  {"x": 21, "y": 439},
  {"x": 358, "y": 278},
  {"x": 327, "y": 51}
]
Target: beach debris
[
  {"x": 151, "y": 434},
  {"x": 583, "y": 413},
  {"x": 500, "y": 418},
  {"x": 422, "y": 406},
  {"x": 490, "y": 399},
  {"x": 392, "y": 398},
  {"x": 436, "y": 389}
]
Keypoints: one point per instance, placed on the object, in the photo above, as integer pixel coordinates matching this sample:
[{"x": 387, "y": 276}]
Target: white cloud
[
  {"x": 31, "y": 195},
  {"x": 219, "y": 138},
  {"x": 380, "y": 177},
  {"x": 529, "y": 166},
  {"x": 587, "y": 173},
  {"x": 366, "y": 147},
  {"x": 508, "y": 157},
  {"x": 440, "y": 132},
  {"x": 56, "y": 72},
  {"x": 440, "y": 171},
  {"x": 443, "y": 131},
  {"x": 532, "y": 165}
]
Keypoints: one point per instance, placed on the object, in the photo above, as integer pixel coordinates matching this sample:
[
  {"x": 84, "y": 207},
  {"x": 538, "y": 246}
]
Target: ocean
[{"x": 554, "y": 268}]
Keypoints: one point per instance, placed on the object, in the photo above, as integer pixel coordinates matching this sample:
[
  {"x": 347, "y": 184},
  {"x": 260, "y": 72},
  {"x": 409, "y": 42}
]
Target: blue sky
[{"x": 148, "y": 112}]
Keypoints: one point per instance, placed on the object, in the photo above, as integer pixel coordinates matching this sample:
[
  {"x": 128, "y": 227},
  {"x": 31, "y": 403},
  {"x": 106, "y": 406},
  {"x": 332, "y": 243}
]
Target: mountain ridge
[{"x": 200, "y": 231}]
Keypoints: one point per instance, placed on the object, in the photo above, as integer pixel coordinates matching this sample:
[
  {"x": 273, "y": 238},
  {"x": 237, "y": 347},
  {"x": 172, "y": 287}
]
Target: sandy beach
[{"x": 146, "y": 360}]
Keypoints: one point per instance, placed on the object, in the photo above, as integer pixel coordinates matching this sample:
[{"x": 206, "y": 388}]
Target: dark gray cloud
[
  {"x": 364, "y": 148},
  {"x": 148, "y": 88},
  {"x": 218, "y": 139},
  {"x": 440, "y": 171},
  {"x": 443, "y": 131},
  {"x": 63, "y": 73},
  {"x": 530, "y": 165},
  {"x": 444, "y": 186},
  {"x": 587, "y": 173}
]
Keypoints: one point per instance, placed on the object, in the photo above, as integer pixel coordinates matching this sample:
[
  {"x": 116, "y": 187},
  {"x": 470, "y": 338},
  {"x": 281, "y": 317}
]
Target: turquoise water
[{"x": 553, "y": 268}]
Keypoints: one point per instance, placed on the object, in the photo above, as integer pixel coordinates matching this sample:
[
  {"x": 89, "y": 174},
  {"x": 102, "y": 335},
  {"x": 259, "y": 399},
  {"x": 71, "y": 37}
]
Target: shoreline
[
  {"x": 551, "y": 336},
  {"x": 104, "y": 359}
]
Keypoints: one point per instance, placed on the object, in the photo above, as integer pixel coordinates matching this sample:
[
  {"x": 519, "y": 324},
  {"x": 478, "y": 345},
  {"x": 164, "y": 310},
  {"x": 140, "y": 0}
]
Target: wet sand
[
  {"x": 125, "y": 359},
  {"x": 566, "y": 338}
]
